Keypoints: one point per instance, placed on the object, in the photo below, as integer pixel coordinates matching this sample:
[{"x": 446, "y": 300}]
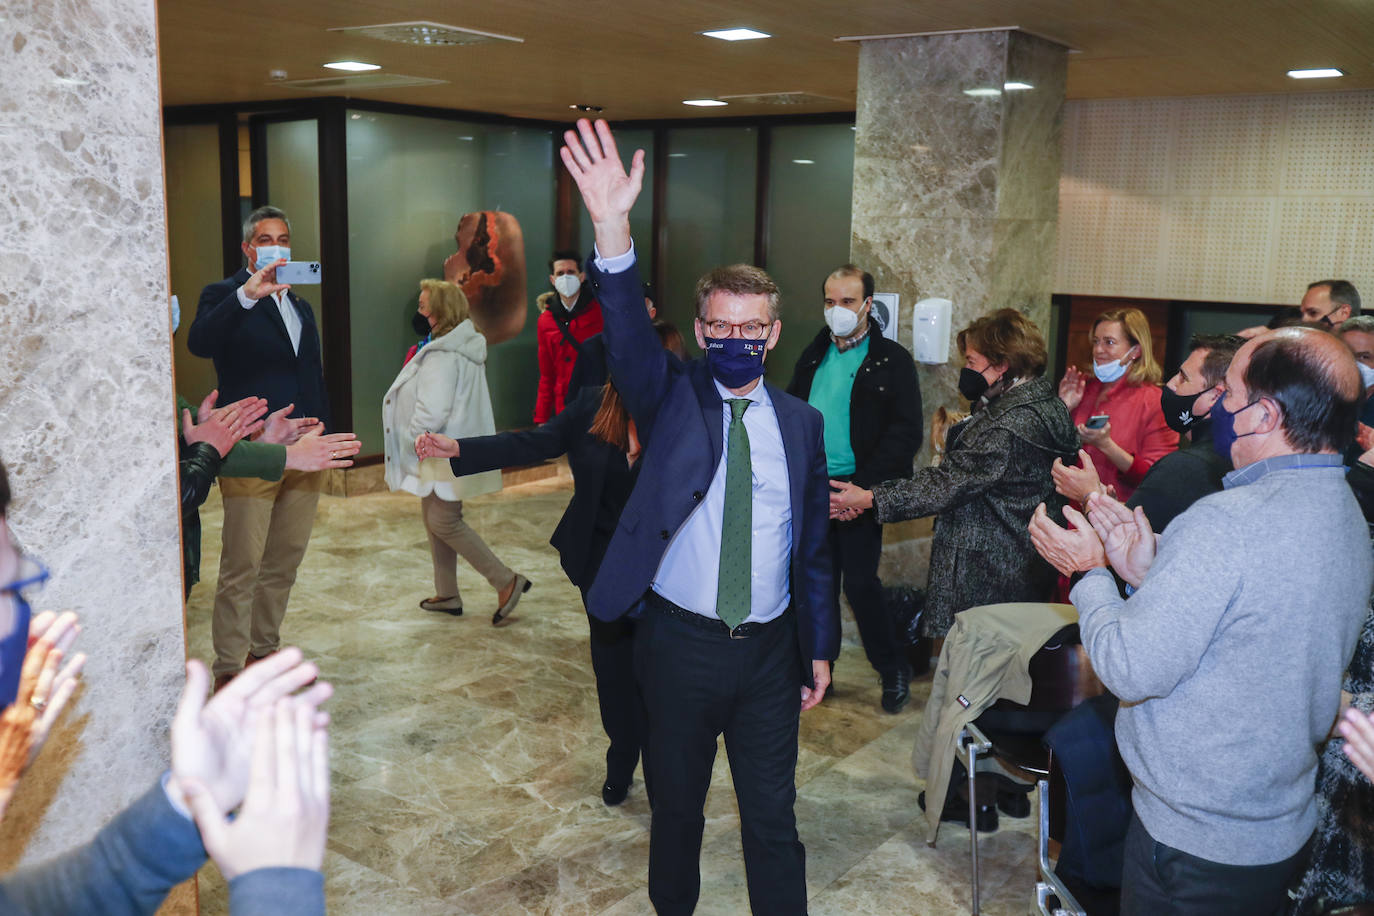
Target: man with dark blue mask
[
  {"x": 722, "y": 550},
  {"x": 1241, "y": 620}
]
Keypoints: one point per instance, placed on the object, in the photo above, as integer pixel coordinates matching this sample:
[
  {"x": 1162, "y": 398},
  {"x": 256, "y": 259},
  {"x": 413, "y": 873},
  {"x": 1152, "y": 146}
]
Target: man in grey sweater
[{"x": 1228, "y": 654}]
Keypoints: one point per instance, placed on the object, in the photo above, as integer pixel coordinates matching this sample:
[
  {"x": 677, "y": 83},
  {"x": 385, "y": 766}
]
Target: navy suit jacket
[
  {"x": 677, "y": 410},
  {"x": 252, "y": 350}
]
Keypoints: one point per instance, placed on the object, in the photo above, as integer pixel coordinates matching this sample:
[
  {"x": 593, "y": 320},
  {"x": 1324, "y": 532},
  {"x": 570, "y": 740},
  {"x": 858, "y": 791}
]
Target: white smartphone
[{"x": 299, "y": 272}]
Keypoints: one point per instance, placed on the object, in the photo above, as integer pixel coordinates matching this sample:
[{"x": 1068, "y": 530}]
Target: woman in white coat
[{"x": 442, "y": 388}]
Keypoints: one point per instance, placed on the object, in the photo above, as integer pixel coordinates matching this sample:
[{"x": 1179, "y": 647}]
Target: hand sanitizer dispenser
[{"x": 930, "y": 323}]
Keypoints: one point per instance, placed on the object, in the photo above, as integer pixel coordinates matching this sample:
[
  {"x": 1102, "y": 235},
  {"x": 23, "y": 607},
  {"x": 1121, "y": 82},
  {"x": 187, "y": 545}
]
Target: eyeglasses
[{"x": 749, "y": 330}]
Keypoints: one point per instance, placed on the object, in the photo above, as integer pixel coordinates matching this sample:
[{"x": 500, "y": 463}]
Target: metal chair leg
[
  {"x": 1049, "y": 883},
  {"x": 975, "y": 743}
]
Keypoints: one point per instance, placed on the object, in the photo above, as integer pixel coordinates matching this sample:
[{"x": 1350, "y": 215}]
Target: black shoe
[
  {"x": 613, "y": 793},
  {"x": 896, "y": 690},
  {"x": 1013, "y": 804},
  {"x": 956, "y": 812}
]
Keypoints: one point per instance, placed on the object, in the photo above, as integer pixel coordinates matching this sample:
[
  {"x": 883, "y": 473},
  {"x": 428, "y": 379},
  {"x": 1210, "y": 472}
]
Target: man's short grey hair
[
  {"x": 250, "y": 225},
  {"x": 1361, "y": 323}
]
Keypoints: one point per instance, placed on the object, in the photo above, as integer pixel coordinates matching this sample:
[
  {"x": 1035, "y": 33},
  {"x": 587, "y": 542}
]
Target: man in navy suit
[
  {"x": 722, "y": 550},
  {"x": 263, "y": 340}
]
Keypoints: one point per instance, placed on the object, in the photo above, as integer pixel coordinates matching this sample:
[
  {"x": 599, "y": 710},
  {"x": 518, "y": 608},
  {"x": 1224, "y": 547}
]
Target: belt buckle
[{"x": 735, "y": 629}]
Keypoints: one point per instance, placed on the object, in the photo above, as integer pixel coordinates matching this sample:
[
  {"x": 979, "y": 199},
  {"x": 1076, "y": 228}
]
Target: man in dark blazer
[
  {"x": 263, "y": 340},
  {"x": 721, "y": 549},
  {"x": 866, "y": 388}
]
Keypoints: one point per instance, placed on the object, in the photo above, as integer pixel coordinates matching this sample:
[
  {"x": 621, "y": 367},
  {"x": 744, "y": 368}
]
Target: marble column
[
  {"x": 956, "y": 190},
  {"x": 86, "y": 403}
]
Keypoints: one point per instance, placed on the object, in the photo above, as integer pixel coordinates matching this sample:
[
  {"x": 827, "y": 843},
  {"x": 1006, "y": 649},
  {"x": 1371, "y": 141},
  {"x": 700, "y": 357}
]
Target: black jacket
[
  {"x": 885, "y": 422},
  {"x": 252, "y": 350},
  {"x": 579, "y": 548}
]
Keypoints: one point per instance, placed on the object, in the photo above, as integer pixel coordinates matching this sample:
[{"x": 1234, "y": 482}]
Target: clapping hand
[
  {"x": 225, "y": 425},
  {"x": 1071, "y": 388},
  {"x": 316, "y": 451},
  {"x": 212, "y": 743},
  {"x": 45, "y": 686},
  {"x": 1126, "y": 536},
  {"x": 281, "y": 429},
  {"x": 1357, "y": 729},
  {"x": 1069, "y": 550},
  {"x": 285, "y": 815},
  {"x": 1076, "y": 483},
  {"x": 435, "y": 445},
  {"x": 592, "y": 159}
]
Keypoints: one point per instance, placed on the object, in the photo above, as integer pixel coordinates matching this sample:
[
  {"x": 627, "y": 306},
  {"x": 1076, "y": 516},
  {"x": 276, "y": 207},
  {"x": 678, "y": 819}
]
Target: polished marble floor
[{"x": 468, "y": 759}]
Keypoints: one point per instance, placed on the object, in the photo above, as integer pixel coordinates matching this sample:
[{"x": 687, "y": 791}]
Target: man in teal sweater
[
  {"x": 865, "y": 387},
  {"x": 1228, "y": 654}
]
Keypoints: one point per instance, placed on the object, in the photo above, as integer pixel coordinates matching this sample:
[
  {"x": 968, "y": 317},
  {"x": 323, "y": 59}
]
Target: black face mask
[
  {"x": 419, "y": 324},
  {"x": 972, "y": 384},
  {"x": 1178, "y": 409}
]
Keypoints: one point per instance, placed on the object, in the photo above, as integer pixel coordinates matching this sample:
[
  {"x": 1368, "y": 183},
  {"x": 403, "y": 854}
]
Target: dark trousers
[
  {"x": 697, "y": 685},
  {"x": 622, "y": 709},
  {"x": 855, "y": 548},
  {"x": 623, "y": 716},
  {"x": 1158, "y": 880}
]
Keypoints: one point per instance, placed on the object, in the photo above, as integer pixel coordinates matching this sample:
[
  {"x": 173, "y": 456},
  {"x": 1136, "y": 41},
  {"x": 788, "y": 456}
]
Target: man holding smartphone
[{"x": 263, "y": 340}]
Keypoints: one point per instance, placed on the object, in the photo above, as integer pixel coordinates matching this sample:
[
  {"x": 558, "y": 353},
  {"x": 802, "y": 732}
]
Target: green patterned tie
[{"x": 733, "y": 587}]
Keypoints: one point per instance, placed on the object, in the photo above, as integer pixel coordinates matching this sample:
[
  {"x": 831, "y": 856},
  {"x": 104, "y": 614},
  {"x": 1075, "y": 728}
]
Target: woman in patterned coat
[{"x": 996, "y": 470}]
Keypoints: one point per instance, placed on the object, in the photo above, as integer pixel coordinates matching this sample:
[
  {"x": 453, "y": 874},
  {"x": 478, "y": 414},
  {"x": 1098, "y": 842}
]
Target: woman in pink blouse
[{"x": 1125, "y": 388}]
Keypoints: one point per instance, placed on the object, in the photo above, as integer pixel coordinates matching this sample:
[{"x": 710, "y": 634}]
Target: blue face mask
[
  {"x": 1224, "y": 427},
  {"x": 734, "y": 361},
  {"x": 15, "y": 644},
  {"x": 269, "y": 253}
]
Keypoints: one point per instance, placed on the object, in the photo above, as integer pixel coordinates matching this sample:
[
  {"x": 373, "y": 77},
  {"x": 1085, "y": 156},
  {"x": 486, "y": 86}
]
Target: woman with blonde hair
[
  {"x": 1125, "y": 390},
  {"x": 442, "y": 388}
]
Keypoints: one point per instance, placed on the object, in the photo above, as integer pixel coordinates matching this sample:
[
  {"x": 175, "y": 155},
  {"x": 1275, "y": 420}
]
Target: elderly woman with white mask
[{"x": 442, "y": 388}]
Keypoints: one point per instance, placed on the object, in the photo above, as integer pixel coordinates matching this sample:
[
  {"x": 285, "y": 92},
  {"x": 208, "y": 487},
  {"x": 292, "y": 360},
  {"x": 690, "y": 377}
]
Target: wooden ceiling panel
[{"x": 641, "y": 60}]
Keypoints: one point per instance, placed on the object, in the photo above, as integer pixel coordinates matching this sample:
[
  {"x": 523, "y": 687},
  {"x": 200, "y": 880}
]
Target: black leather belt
[{"x": 654, "y": 600}]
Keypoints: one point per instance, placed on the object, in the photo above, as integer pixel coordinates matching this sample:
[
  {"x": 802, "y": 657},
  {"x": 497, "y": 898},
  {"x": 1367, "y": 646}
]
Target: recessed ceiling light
[
  {"x": 735, "y": 34},
  {"x": 804, "y": 161},
  {"x": 986, "y": 91},
  {"x": 1316, "y": 74},
  {"x": 352, "y": 66},
  {"x": 1016, "y": 85},
  {"x": 704, "y": 103}
]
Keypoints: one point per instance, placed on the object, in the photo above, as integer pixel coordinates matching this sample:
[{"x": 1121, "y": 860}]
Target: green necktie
[{"x": 734, "y": 586}]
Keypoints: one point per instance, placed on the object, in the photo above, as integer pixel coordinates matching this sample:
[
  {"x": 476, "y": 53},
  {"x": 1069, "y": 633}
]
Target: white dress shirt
[
  {"x": 289, "y": 316},
  {"x": 689, "y": 571}
]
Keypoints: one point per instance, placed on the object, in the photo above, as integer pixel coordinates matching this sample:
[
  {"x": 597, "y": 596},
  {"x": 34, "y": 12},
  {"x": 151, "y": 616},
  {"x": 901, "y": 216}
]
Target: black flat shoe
[
  {"x": 956, "y": 812},
  {"x": 613, "y": 793}
]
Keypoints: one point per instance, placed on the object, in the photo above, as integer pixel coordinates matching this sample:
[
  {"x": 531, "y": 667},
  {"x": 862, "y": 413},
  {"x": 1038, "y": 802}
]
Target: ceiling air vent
[
  {"x": 781, "y": 98},
  {"x": 360, "y": 82},
  {"x": 425, "y": 34}
]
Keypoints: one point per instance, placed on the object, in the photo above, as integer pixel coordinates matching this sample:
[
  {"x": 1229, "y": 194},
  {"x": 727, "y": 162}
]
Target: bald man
[{"x": 1228, "y": 654}]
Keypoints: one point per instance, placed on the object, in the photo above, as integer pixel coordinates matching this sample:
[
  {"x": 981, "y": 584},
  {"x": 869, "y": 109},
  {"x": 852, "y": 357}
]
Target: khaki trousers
[
  {"x": 451, "y": 537},
  {"x": 266, "y": 530}
]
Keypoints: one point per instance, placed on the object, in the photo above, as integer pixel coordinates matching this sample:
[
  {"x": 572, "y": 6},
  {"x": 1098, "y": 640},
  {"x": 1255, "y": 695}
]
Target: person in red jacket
[{"x": 568, "y": 315}]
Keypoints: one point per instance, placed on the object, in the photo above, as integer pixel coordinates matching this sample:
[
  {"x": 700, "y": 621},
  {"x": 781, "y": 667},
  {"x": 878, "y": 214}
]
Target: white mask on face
[
  {"x": 1366, "y": 374},
  {"x": 841, "y": 321},
  {"x": 567, "y": 285},
  {"x": 1111, "y": 370}
]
